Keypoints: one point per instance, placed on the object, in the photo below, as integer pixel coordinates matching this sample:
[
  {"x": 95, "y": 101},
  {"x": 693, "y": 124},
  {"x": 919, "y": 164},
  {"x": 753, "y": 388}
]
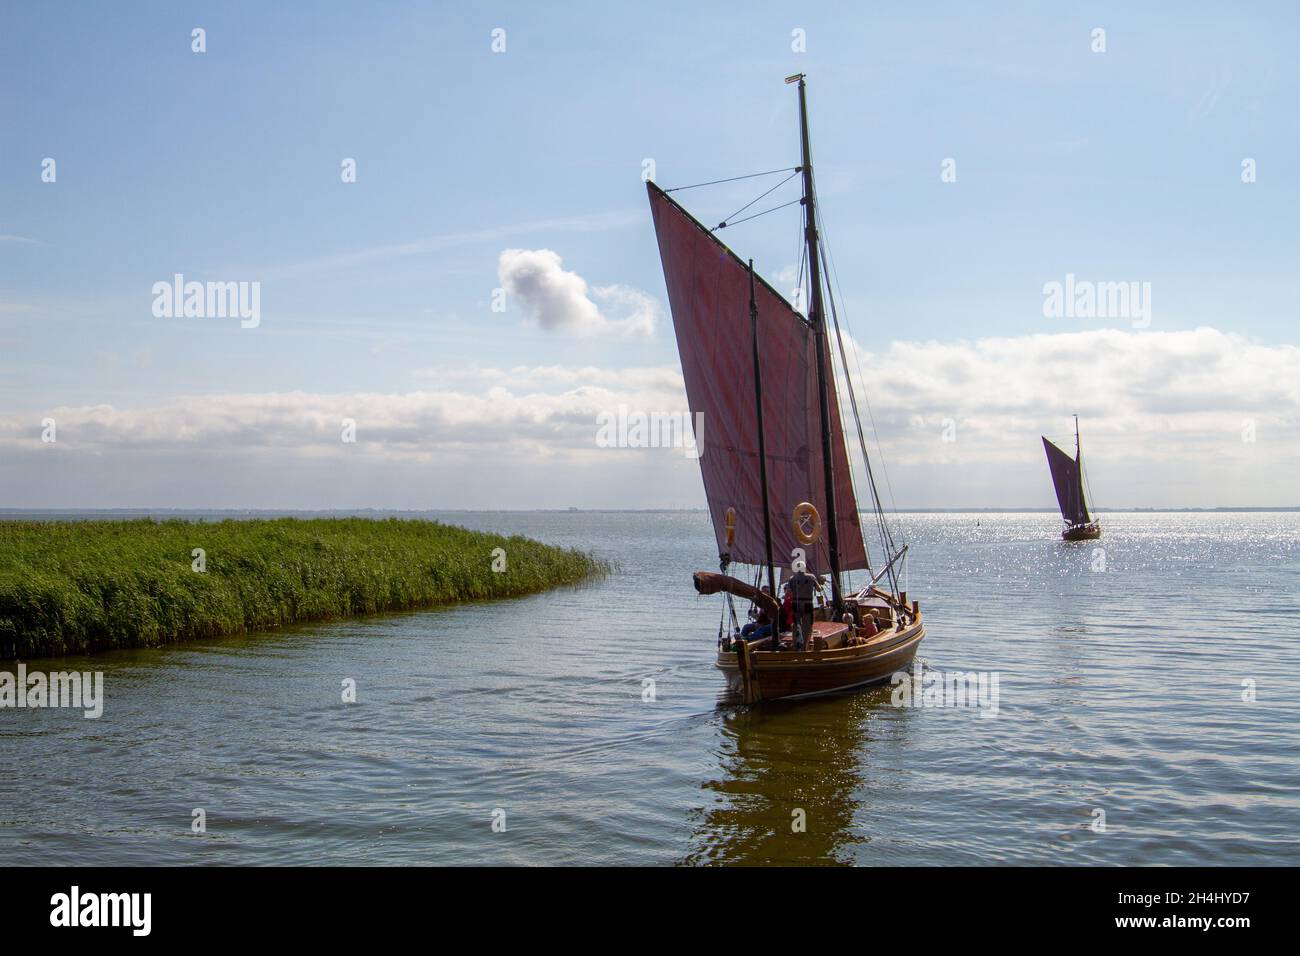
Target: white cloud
[
  {"x": 537, "y": 410},
  {"x": 665, "y": 380},
  {"x": 641, "y": 310},
  {"x": 559, "y": 300},
  {"x": 1199, "y": 384},
  {"x": 1163, "y": 416}
]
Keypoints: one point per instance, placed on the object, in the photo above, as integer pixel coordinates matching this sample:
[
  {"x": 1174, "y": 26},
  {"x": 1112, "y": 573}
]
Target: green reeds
[{"x": 79, "y": 586}]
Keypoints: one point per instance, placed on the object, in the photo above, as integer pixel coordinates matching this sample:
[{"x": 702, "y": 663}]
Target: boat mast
[
  {"x": 818, "y": 322},
  {"x": 1078, "y": 467},
  {"x": 762, "y": 445}
]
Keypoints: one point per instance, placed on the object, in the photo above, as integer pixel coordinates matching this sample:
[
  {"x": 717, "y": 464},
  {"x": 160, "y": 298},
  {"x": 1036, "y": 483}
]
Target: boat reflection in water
[{"x": 774, "y": 761}]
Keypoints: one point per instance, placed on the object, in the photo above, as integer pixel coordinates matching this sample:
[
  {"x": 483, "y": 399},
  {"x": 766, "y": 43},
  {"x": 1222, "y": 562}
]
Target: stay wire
[
  {"x": 733, "y": 179},
  {"x": 737, "y": 222},
  {"x": 727, "y": 221}
]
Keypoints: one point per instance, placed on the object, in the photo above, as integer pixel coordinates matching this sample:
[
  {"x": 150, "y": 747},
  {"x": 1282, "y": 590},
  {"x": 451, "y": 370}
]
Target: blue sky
[{"x": 225, "y": 166}]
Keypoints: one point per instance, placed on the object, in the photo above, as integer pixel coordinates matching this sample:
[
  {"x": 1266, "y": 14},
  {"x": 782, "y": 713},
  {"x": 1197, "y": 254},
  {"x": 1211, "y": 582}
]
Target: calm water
[{"x": 1120, "y": 690}]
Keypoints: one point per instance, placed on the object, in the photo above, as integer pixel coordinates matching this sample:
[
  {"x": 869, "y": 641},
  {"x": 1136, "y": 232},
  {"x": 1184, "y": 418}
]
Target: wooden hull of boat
[
  {"x": 1087, "y": 532},
  {"x": 787, "y": 675}
]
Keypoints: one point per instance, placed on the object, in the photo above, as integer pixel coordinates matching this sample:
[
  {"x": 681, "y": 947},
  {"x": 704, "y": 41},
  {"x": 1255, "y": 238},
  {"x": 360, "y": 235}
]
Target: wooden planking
[{"x": 776, "y": 675}]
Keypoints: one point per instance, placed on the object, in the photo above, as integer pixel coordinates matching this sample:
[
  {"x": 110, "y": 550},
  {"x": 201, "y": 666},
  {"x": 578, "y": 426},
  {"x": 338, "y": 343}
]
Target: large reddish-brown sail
[
  {"x": 1068, "y": 480},
  {"x": 708, "y": 291}
]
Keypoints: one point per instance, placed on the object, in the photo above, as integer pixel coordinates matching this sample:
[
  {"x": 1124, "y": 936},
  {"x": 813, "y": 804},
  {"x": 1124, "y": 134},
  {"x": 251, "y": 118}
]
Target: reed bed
[{"x": 81, "y": 586}]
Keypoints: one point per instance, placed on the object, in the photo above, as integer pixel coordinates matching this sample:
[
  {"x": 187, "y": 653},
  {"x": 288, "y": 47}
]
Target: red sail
[
  {"x": 1069, "y": 484},
  {"x": 708, "y": 290}
]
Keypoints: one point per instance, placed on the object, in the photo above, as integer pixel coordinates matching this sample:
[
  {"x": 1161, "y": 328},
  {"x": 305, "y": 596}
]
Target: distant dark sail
[
  {"x": 708, "y": 290},
  {"x": 1068, "y": 479}
]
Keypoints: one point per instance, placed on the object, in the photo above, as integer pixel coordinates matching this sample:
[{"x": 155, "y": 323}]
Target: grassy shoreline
[{"x": 83, "y": 586}]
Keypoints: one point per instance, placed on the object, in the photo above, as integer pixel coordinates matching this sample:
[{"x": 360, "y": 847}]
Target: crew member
[{"x": 803, "y": 586}]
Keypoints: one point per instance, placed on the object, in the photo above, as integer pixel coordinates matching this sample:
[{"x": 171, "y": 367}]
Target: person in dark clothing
[
  {"x": 760, "y": 627},
  {"x": 787, "y": 614},
  {"x": 803, "y": 586}
]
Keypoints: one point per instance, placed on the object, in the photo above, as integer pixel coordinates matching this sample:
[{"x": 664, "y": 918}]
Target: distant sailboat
[
  {"x": 775, "y": 464},
  {"x": 1067, "y": 476}
]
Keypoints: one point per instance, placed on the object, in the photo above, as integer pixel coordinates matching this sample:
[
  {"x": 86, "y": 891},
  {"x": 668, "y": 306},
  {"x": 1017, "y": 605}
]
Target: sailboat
[
  {"x": 775, "y": 464},
  {"x": 1067, "y": 476}
]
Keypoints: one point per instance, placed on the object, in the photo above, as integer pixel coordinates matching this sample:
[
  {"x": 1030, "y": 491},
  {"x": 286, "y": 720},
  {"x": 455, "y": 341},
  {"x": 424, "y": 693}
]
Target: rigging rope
[
  {"x": 724, "y": 225},
  {"x": 770, "y": 172},
  {"x": 886, "y": 537},
  {"x": 1083, "y": 472},
  {"x": 884, "y": 466},
  {"x": 882, "y": 526},
  {"x": 728, "y": 603},
  {"x": 803, "y": 261}
]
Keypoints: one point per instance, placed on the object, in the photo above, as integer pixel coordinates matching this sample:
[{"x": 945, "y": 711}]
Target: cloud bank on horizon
[{"x": 958, "y": 425}]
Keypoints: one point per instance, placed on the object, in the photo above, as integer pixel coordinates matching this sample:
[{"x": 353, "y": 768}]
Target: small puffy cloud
[
  {"x": 640, "y": 310},
  {"x": 560, "y": 300}
]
